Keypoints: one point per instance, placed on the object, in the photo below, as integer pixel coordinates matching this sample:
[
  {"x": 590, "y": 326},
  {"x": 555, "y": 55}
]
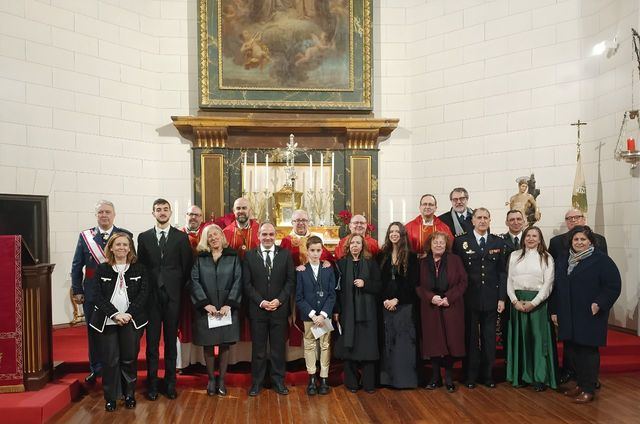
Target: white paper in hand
[
  {"x": 320, "y": 331},
  {"x": 219, "y": 321}
]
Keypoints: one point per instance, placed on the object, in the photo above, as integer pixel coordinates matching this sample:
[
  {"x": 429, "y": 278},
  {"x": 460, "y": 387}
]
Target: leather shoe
[
  {"x": 470, "y": 385},
  {"x": 433, "y": 385},
  {"x": 91, "y": 378},
  {"x": 254, "y": 390},
  {"x": 152, "y": 394},
  {"x": 280, "y": 389},
  {"x": 311, "y": 387},
  {"x": 572, "y": 392},
  {"x": 222, "y": 389},
  {"x": 583, "y": 398},
  {"x": 324, "y": 387},
  {"x": 110, "y": 406},
  {"x": 490, "y": 384},
  {"x": 211, "y": 387},
  {"x": 130, "y": 402},
  {"x": 451, "y": 388},
  {"x": 352, "y": 389},
  {"x": 172, "y": 394},
  {"x": 539, "y": 387}
]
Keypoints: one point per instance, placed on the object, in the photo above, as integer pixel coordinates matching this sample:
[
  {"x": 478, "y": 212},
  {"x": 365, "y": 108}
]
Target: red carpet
[{"x": 70, "y": 353}]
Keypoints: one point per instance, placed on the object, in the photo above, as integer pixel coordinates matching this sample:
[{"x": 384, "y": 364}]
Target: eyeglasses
[
  {"x": 359, "y": 222},
  {"x": 459, "y": 199},
  {"x": 573, "y": 218},
  {"x": 194, "y": 214},
  {"x": 300, "y": 221}
]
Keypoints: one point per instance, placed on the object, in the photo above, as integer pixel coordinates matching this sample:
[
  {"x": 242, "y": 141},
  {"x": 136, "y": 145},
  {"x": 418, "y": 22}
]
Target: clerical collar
[
  {"x": 247, "y": 225},
  {"x": 424, "y": 222},
  {"x": 190, "y": 231}
]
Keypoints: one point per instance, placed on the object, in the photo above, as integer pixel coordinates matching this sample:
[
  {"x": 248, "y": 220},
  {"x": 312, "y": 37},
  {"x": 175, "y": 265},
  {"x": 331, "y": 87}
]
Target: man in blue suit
[{"x": 88, "y": 255}]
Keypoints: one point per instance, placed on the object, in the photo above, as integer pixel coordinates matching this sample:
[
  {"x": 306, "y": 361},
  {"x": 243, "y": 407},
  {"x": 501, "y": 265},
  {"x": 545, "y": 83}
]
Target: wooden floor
[{"x": 617, "y": 402}]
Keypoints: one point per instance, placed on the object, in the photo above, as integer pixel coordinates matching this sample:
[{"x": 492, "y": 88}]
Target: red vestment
[
  {"x": 294, "y": 243},
  {"x": 418, "y": 233},
  {"x": 242, "y": 239},
  {"x": 372, "y": 246},
  {"x": 186, "y": 307}
]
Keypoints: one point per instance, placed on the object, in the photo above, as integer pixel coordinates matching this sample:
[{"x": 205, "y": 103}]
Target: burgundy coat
[{"x": 443, "y": 328}]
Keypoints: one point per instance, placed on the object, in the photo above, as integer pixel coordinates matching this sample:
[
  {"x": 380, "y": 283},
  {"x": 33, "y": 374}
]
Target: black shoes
[
  {"x": 254, "y": 390},
  {"x": 211, "y": 387},
  {"x": 91, "y": 378},
  {"x": 566, "y": 376},
  {"x": 451, "y": 387},
  {"x": 470, "y": 384},
  {"x": 311, "y": 387},
  {"x": 110, "y": 406},
  {"x": 280, "y": 388},
  {"x": 222, "y": 389},
  {"x": 130, "y": 402},
  {"x": 324, "y": 387},
  {"x": 172, "y": 394},
  {"x": 152, "y": 394},
  {"x": 539, "y": 387},
  {"x": 490, "y": 384}
]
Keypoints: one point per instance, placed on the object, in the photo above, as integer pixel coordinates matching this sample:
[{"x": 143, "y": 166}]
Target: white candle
[
  {"x": 321, "y": 173},
  {"x": 310, "y": 172},
  {"x": 255, "y": 171},
  {"x": 404, "y": 211},
  {"x": 390, "y": 210},
  {"x": 332, "y": 169},
  {"x": 244, "y": 173},
  {"x": 266, "y": 169}
]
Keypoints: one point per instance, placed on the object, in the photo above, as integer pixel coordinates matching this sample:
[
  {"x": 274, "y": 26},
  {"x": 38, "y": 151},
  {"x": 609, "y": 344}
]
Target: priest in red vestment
[
  {"x": 358, "y": 225},
  {"x": 425, "y": 224},
  {"x": 242, "y": 234},
  {"x": 296, "y": 241},
  {"x": 187, "y": 355}
]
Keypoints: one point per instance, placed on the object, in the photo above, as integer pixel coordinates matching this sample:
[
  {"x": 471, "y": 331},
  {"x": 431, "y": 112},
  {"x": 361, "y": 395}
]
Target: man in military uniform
[{"x": 483, "y": 257}]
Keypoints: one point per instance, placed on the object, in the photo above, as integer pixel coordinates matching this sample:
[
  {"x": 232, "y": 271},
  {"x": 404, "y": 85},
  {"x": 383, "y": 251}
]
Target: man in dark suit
[
  {"x": 88, "y": 255},
  {"x": 483, "y": 257},
  {"x": 559, "y": 247},
  {"x": 269, "y": 280},
  {"x": 512, "y": 238},
  {"x": 458, "y": 219},
  {"x": 165, "y": 251}
]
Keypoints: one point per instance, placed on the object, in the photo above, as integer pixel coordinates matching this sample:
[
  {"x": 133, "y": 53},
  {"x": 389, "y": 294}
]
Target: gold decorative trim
[
  {"x": 204, "y": 52},
  {"x": 210, "y": 137},
  {"x": 203, "y": 181},
  {"x": 362, "y": 138},
  {"x": 352, "y": 161},
  {"x": 15, "y": 388}
]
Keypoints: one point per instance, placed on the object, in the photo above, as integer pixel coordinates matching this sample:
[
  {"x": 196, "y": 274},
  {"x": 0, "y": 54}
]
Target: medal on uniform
[
  {"x": 465, "y": 245},
  {"x": 243, "y": 247}
]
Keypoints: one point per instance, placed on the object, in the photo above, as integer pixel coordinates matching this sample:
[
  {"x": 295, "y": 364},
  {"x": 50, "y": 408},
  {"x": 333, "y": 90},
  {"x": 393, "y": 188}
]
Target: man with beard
[
  {"x": 459, "y": 217},
  {"x": 357, "y": 225},
  {"x": 166, "y": 254},
  {"x": 242, "y": 234},
  {"x": 425, "y": 224},
  {"x": 88, "y": 255},
  {"x": 186, "y": 354}
]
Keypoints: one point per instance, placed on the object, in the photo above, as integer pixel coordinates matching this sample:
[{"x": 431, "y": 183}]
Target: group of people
[{"x": 438, "y": 289}]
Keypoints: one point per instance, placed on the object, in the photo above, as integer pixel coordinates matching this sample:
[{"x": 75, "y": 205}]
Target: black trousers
[
  {"x": 272, "y": 332},
  {"x": 368, "y": 374},
  {"x": 120, "y": 347},
  {"x": 164, "y": 314},
  {"x": 93, "y": 338},
  {"x": 586, "y": 363},
  {"x": 481, "y": 344}
]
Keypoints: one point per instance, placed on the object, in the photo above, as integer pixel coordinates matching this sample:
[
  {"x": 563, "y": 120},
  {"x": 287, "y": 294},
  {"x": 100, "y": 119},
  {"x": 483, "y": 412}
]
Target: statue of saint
[{"x": 525, "y": 201}]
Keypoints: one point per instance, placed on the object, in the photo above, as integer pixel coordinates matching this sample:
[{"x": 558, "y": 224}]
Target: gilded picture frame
[{"x": 285, "y": 54}]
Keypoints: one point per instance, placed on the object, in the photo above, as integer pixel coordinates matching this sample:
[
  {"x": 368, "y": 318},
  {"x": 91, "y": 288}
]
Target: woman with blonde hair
[{"x": 216, "y": 293}]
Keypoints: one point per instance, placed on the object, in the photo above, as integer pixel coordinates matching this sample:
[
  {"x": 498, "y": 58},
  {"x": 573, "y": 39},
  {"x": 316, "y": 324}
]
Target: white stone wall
[
  {"x": 487, "y": 94},
  {"x": 87, "y": 89}
]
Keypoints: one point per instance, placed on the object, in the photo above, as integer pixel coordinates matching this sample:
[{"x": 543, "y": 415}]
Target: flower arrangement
[{"x": 344, "y": 218}]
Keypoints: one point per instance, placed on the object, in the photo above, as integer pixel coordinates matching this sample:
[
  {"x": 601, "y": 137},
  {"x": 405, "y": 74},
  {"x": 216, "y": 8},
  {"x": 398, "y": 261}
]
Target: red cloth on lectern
[
  {"x": 11, "y": 365},
  {"x": 372, "y": 246},
  {"x": 242, "y": 240},
  {"x": 418, "y": 234}
]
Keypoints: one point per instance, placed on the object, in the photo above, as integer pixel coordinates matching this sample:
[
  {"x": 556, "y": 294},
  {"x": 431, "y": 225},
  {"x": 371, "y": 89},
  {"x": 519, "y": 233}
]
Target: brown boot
[
  {"x": 572, "y": 392},
  {"x": 584, "y": 398}
]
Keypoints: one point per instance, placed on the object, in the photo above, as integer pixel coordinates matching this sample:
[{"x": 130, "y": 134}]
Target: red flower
[
  {"x": 345, "y": 216},
  {"x": 371, "y": 228}
]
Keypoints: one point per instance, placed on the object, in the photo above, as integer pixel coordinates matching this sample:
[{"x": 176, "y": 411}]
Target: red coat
[
  {"x": 418, "y": 235},
  {"x": 443, "y": 328},
  {"x": 242, "y": 240},
  {"x": 293, "y": 246},
  {"x": 372, "y": 246}
]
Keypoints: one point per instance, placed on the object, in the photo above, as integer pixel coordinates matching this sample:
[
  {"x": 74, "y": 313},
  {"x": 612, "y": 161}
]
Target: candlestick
[
  {"x": 631, "y": 144},
  {"x": 332, "y": 169},
  {"x": 266, "y": 169},
  {"x": 255, "y": 171},
  {"x": 244, "y": 173},
  {"x": 321, "y": 173}
]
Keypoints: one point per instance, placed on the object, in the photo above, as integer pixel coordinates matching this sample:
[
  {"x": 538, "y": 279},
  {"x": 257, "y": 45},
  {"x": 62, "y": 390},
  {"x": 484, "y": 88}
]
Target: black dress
[{"x": 398, "y": 362}]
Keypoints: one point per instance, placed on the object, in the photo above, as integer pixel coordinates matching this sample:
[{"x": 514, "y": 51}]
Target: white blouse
[
  {"x": 530, "y": 273},
  {"x": 119, "y": 298}
]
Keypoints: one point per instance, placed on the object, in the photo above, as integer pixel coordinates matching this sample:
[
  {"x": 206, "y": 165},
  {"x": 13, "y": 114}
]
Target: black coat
[
  {"x": 447, "y": 218},
  {"x": 559, "y": 245},
  {"x": 173, "y": 269},
  {"x": 137, "y": 292},
  {"x": 258, "y": 287},
  {"x": 218, "y": 285},
  {"x": 359, "y": 339},
  {"x": 307, "y": 292},
  {"x": 403, "y": 287},
  {"x": 595, "y": 279},
  {"x": 487, "y": 278}
]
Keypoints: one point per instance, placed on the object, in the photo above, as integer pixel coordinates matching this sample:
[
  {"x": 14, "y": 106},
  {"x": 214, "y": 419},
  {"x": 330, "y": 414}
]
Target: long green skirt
[{"x": 530, "y": 356}]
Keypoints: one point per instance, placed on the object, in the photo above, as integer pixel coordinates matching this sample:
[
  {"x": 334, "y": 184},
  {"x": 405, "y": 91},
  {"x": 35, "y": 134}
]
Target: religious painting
[{"x": 285, "y": 54}]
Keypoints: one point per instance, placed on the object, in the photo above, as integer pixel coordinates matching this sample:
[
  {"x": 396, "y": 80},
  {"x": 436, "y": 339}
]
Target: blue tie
[{"x": 482, "y": 243}]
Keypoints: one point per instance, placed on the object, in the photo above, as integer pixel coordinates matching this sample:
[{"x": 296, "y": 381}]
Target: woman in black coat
[
  {"x": 357, "y": 314},
  {"x": 120, "y": 315},
  {"x": 587, "y": 284},
  {"x": 216, "y": 293}
]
